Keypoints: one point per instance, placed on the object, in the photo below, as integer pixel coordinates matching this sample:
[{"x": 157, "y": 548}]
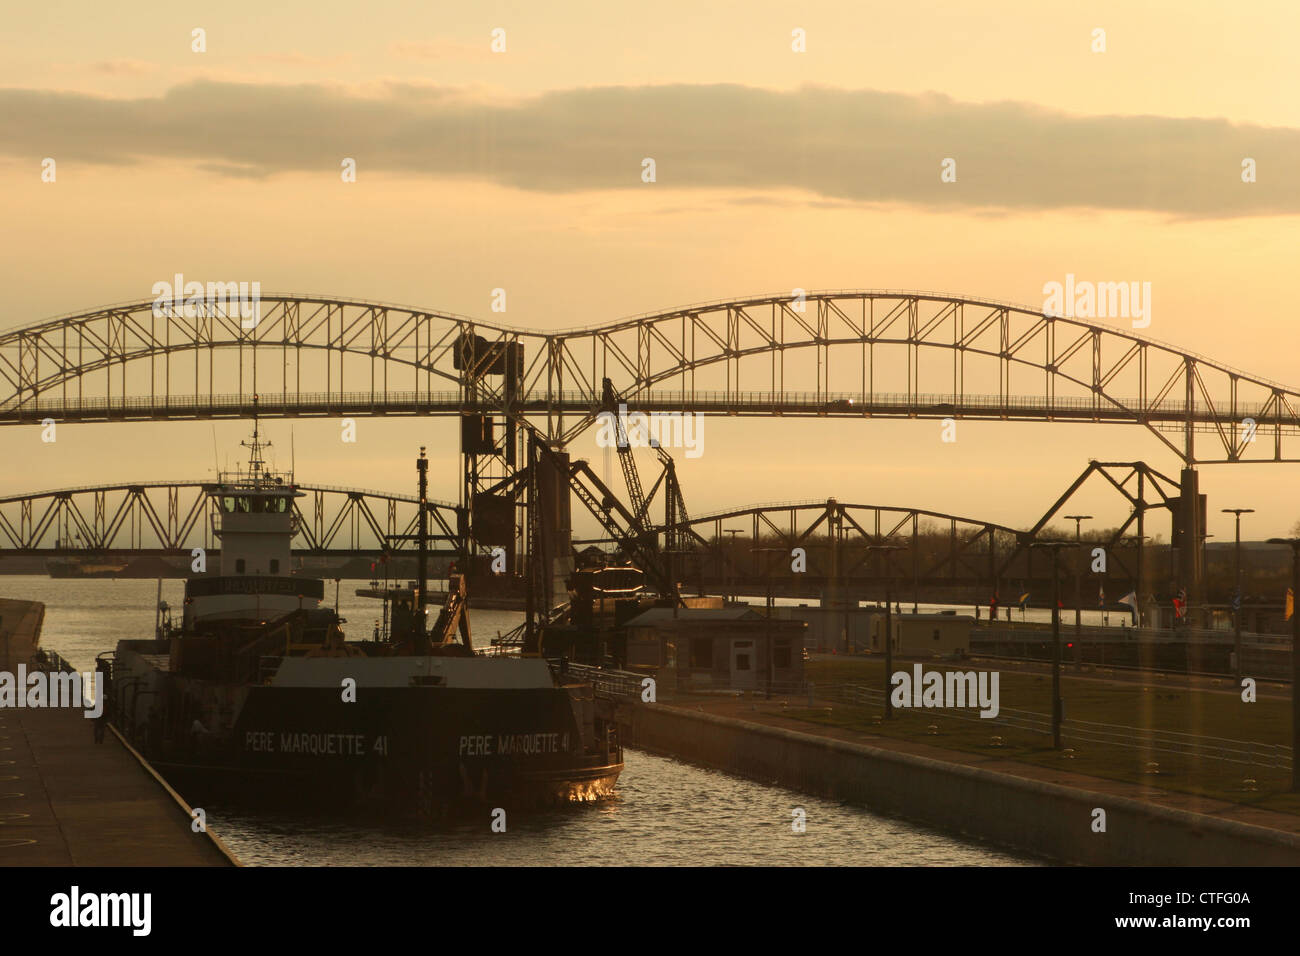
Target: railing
[
  {"x": 52, "y": 663},
  {"x": 605, "y": 681},
  {"x": 846, "y": 403},
  {"x": 1147, "y": 740}
]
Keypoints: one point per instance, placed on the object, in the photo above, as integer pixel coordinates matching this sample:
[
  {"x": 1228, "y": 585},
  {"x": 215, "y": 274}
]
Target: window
[
  {"x": 781, "y": 654},
  {"x": 239, "y": 565},
  {"x": 936, "y": 633},
  {"x": 742, "y": 662},
  {"x": 275, "y": 565},
  {"x": 701, "y": 652}
]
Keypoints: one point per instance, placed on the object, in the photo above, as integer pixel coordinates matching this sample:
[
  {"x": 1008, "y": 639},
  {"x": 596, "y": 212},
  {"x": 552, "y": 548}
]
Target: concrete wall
[{"x": 1037, "y": 818}]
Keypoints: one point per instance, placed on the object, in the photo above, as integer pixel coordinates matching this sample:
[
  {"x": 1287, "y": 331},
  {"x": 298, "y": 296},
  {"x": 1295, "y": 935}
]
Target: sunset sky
[{"x": 775, "y": 170}]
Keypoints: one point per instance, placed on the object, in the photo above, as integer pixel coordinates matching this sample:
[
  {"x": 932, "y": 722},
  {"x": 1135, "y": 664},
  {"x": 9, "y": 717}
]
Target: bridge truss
[
  {"x": 853, "y": 354},
  {"x": 167, "y": 517}
]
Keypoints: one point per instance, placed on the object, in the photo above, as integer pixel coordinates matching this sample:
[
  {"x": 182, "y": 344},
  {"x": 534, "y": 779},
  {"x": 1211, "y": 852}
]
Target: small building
[
  {"x": 835, "y": 628},
  {"x": 932, "y": 635},
  {"x": 737, "y": 648}
]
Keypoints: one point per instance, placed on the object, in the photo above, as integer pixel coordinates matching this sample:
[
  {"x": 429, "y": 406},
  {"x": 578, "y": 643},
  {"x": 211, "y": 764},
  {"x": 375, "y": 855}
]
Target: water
[{"x": 666, "y": 812}]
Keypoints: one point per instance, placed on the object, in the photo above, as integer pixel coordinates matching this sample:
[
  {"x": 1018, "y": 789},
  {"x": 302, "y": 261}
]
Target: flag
[
  {"x": 1131, "y": 599},
  {"x": 1023, "y": 599},
  {"x": 1180, "y": 603},
  {"x": 1290, "y": 603},
  {"x": 1236, "y": 600},
  {"x": 1101, "y": 595}
]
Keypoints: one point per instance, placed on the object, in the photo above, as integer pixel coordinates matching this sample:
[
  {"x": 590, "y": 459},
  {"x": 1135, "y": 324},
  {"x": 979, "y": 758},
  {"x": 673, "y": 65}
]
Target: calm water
[{"x": 666, "y": 812}]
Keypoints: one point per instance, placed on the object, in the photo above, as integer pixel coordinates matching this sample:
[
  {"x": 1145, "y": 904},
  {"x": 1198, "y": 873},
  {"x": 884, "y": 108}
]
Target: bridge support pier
[{"x": 1188, "y": 537}]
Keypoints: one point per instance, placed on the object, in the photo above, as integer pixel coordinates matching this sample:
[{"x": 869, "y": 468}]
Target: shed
[{"x": 734, "y": 647}]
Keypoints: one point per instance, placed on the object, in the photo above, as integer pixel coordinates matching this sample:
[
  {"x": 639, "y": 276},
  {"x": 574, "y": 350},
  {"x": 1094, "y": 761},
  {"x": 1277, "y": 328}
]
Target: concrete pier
[{"x": 67, "y": 801}]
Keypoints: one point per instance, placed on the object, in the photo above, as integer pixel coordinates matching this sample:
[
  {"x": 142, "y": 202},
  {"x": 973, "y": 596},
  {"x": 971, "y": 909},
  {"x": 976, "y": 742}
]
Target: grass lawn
[{"x": 1147, "y": 704}]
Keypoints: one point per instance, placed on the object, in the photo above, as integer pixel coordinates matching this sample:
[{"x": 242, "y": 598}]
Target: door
[{"x": 743, "y": 665}]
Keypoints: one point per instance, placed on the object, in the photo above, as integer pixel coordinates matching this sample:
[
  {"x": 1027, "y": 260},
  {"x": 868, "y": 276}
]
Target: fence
[{"x": 1147, "y": 740}]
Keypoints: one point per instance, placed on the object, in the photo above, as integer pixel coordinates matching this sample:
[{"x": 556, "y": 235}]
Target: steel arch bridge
[
  {"x": 169, "y": 516},
  {"x": 934, "y": 547},
  {"x": 833, "y": 534},
  {"x": 848, "y": 353}
]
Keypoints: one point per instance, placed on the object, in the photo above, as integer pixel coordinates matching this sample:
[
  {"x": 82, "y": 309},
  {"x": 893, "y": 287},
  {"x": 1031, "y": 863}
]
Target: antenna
[
  {"x": 256, "y": 464},
  {"x": 293, "y": 460},
  {"x": 216, "y": 457}
]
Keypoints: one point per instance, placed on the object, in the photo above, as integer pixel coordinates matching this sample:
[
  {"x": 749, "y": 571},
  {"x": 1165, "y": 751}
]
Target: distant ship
[
  {"x": 256, "y": 693},
  {"x": 83, "y": 568}
]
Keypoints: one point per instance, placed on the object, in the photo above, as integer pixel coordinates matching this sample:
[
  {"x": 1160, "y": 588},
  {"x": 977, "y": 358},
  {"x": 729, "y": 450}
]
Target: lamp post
[
  {"x": 889, "y": 625},
  {"x": 1057, "y": 704},
  {"x": 1078, "y": 598},
  {"x": 767, "y": 626},
  {"x": 1236, "y": 594},
  {"x": 733, "y": 532},
  {"x": 1137, "y": 541},
  {"x": 1295, "y": 658}
]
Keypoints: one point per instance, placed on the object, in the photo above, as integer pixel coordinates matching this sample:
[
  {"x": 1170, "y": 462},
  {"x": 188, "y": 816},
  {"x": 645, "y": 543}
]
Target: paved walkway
[
  {"x": 67, "y": 801},
  {"x": 769, "y": 713}
]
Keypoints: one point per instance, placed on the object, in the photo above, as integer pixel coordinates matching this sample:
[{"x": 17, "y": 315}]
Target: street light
[
  {"x": 1078, "y": 598},
  {"x": 767, "y": 626},
  {"x": 1236, "y": 594},
  {"x": 1137, "y": 541},
  {"x": 733, "y": 532},
  {"x": 1057, "y": 703},
  {"x": 1295, "y": 658},
  {"x": 889, "y": 627}
]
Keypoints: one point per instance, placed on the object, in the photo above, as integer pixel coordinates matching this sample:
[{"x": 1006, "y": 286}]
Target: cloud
[
  {"x": 856, "y": 146},
  {"x": 442, "y": 50},
  {"x": 124, "y": 67},
  {"x": 296, "y": 58}
]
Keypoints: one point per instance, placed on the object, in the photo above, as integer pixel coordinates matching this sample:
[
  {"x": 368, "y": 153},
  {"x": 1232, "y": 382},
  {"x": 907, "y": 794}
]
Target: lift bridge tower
[{"x": 496, "y": 485}]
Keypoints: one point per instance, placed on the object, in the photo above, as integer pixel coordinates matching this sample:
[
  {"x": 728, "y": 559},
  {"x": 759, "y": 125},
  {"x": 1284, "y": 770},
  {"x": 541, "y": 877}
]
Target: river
[{"x": 666, "y": 812}]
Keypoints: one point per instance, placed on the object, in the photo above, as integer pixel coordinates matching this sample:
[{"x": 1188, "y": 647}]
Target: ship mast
[{"x": 256, "y": 463}]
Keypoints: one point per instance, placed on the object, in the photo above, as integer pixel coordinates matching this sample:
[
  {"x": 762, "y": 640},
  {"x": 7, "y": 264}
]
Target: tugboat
[{"x": 255, "y": 693}]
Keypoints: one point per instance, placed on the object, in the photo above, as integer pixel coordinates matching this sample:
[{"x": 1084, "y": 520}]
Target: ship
[
  {"x": 78, "y": 567},
  {"x": 254, "y": 693}
]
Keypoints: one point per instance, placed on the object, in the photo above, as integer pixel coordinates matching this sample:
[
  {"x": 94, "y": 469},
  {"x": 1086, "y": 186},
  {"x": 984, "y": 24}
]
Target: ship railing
[{"x": 605, "y": 681}]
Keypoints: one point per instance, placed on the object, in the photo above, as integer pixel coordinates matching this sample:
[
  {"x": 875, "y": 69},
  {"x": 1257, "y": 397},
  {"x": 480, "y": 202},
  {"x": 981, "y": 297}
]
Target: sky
[{"x": 775, "y": 169}]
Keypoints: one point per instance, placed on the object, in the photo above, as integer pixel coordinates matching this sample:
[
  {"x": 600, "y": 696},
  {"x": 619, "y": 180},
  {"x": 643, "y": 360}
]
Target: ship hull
[{"x": 416, "y": 750}]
